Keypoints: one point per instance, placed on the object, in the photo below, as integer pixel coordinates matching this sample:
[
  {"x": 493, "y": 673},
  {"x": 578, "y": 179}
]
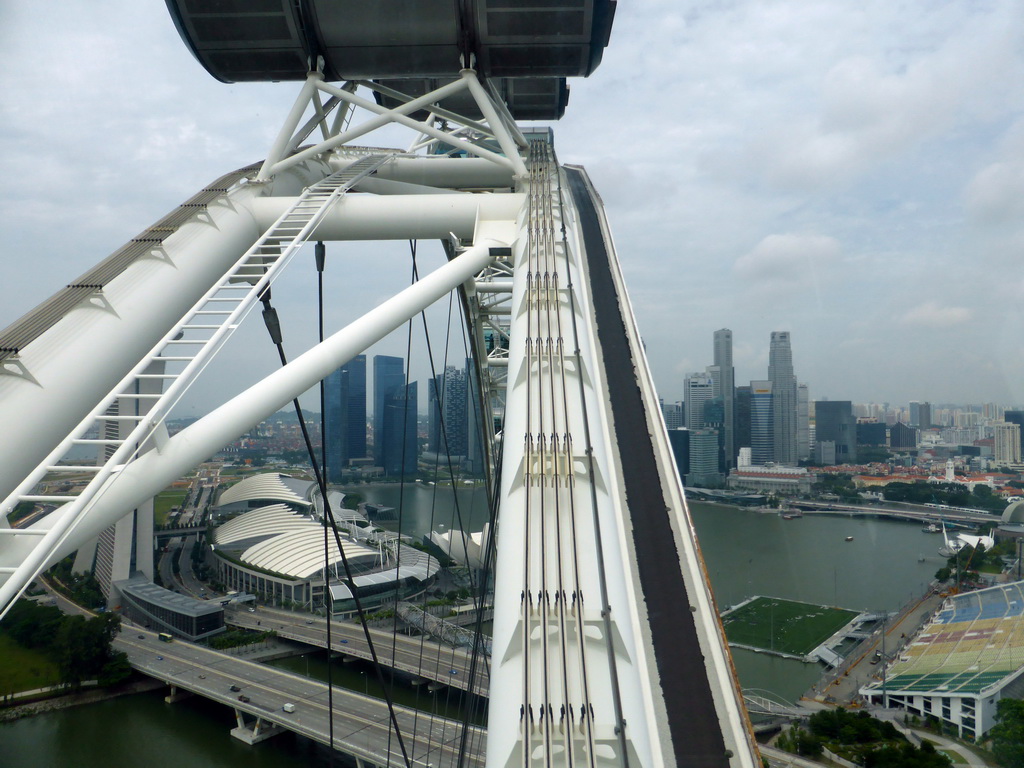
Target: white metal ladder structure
[{"x": 192, "y": 343}]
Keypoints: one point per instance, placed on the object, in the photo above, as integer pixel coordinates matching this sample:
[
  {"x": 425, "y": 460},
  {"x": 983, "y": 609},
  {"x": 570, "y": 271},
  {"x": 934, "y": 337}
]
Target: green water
[{"x": 746, "y": 553}]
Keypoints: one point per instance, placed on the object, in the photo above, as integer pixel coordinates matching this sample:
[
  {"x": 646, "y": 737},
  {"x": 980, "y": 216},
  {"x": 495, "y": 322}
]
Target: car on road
[
  {"x": 159, "y": 658},
  {"x": 309, "y": 621},
  {"x": 252, "y": 610},
  {"x": 202, "y": 677},
  {"x": 234, "y": 689},
  {"x": 244, "y": 699},
  {"x": 142, "y": 637}
]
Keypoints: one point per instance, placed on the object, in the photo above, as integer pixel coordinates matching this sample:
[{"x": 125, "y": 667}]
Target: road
[
  {"x": 418, "y": 656},
  {"x": 913, "y": 512},
  {"x": 361, "y": 723}
]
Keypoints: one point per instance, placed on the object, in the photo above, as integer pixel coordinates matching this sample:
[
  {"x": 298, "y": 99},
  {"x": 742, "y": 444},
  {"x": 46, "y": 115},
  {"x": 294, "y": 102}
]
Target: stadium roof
[
  {"x": 271, "y": 486},
  {"x": 973, "y": 643},
  {"x": 279, "y": 539},
  {"x": 415, "y": 565}
]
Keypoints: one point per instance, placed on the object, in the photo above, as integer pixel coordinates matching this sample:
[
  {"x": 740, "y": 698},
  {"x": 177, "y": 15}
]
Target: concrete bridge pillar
[
  {"x": 260, "y": 730},
  {"x": 177, "y": 695}
]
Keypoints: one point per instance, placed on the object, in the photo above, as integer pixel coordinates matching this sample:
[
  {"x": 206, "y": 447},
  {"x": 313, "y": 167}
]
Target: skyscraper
[
  {"x": 699, "y": 390},
  {"x": 727, "y": 391},
  {"x": 742, "y": 419},
  {"x": 703, "y": 454},
  {"x": 761, "y": 423},
  {"x": 672, "y": 413},
  {"x": 1016, "y": 417},
  {"x": 803, "y": 422},
  {"x": 780, "y": 373},
  {"x": 834, "y": 422},
  {"x": 345, "y": 416},
  {"x": 455, "y": 412},
  {"x": 924, "y": 416},
  {"x": 1007, "y": 443},
  {"x": 394, "y": 417}
]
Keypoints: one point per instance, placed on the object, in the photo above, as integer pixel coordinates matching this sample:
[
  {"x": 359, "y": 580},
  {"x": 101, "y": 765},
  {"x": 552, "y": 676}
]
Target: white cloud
[
  {"x": 996, "y": 193},
  {"x": 930, "y": 314},
  {"x": 709, "y": 127},
  {"x": 794, "y": 260}
]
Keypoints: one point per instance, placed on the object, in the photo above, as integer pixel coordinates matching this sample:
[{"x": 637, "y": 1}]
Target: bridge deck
[
  {"x": 418, "y": 656},
  {"x": 361, "y": 723}
]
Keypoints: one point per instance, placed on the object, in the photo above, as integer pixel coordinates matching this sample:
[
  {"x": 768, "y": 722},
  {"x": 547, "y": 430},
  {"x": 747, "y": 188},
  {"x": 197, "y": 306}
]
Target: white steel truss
[{"x": 574, "y": 677}]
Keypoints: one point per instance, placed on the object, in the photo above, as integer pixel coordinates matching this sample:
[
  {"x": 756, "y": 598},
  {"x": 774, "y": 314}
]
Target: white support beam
[
  {"x": 401, "y": 217},
  {"x": 146, "y": 476}
]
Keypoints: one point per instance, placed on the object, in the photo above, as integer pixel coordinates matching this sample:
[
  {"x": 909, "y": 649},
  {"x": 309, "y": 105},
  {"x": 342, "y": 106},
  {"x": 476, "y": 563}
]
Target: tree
[{"x": 1008, "y": 733}]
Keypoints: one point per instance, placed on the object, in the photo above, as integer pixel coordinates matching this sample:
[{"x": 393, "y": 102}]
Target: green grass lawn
[
  {"x": 784, "y": 625},
  {"x": 164, "y": 501},
  {"x": 22, "y": 669}
]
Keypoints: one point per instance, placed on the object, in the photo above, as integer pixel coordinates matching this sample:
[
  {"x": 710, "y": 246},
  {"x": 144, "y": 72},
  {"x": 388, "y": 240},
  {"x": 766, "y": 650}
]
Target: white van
[{"x": 288, "y": 707}]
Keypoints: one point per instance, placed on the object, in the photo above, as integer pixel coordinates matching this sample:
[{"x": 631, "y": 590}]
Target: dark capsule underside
[{"x": 526, "y": 47}]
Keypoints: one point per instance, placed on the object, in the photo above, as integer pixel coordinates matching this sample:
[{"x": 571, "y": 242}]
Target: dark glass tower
[
  {"x": 727, "y": 391},
  {"x": 780, "y": 373},
  {"x": 834, "y": 421},
  {"x": 394, "y": 417},
  {"x": 345, "y": 416}
]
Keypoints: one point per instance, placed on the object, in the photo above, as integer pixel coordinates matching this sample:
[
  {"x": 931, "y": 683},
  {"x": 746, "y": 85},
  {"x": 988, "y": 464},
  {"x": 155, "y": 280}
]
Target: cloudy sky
[{"x": 852, "y": 172}]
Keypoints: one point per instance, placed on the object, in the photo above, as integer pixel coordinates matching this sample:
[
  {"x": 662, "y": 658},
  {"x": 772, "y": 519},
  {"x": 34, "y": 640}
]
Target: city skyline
[{"x": 833, "y": 192}]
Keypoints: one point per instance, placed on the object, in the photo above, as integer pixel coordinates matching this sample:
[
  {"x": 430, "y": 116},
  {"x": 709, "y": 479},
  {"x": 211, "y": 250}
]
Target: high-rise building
[
  {"x": 394, "y": 417},
  {"x": 435, "y": 398},
  {"x": 398, "y": 431},
  {"x": 474, "y": 421},
  {"x": 673, "y": 414},
  {"x": 902, "y": 437},
  {"x": 870, "y": 433},
  {"x": 742, "y": 416},
  {"x": 126, "y": 547},
  {"x": 835, "y": 423},
  {"x": 704, "y": 459},
  {"x": 803, "y": 422},
  {"x": 761, "y": 423},
  {"x": 455, "y": 410},
  {"x": 679, "y": 439},
  {"x": 780, "y": 374},
  {"x": 699, "y": 389},
  {"x": 1016, "y": 417},
  {"x": 345, "y": 416},
  {"x": 1007, "y": 443},
  {"x": 924, "y": 416},
  {"x": 727, "y": 391}
]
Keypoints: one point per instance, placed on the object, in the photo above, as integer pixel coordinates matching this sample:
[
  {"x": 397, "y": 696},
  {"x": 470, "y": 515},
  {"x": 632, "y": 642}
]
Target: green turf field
[
  {"x": 163, "y": 502},
  {"x": 23, "y": 669},
  {"x": 784, "y": 626}
]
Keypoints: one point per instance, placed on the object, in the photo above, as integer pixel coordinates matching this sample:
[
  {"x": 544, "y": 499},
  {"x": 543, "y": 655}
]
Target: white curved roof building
[
  {"x": 272, "y": 544},
  {"x": 278, "y": 539},
  {"x": 271, "y": 486}
]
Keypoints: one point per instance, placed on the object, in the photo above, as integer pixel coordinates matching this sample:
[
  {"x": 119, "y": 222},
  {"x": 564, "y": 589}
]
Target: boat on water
[
  {"x": 931, "y": 528},
  {"x": 791, "y": 515},
  {"x": 849, "y": 538}
]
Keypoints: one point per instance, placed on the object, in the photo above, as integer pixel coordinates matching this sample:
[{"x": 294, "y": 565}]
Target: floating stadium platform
[{"x": 960, "y": 664}]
